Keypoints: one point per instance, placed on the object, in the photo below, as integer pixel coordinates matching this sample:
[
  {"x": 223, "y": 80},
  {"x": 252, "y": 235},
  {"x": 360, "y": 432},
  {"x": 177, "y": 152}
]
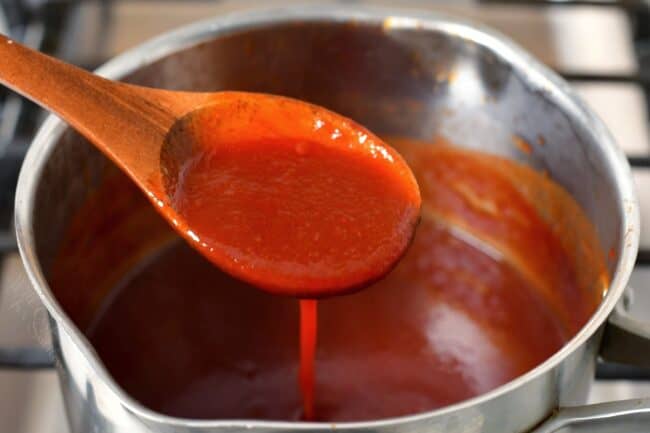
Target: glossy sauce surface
[
  {"x": 503, "y": 270},
  {"x": 290, "y": 198}
]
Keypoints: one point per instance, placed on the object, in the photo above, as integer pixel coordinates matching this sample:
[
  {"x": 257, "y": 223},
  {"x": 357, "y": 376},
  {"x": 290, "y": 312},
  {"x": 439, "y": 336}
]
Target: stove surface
[{"x": 610, "y": 69}]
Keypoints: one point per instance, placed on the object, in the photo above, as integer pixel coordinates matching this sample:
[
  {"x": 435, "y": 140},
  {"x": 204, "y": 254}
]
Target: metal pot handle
[
  {"x": 625, "y": 416},
  {"x": 626, "y": 340}
]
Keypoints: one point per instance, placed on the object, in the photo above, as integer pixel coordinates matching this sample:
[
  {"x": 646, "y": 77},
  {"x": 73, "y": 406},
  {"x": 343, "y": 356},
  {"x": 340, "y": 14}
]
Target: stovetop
[{"x": 602, "y": 47}]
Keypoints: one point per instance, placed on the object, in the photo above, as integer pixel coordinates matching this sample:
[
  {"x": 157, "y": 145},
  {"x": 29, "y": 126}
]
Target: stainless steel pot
[{"x": 399, "y": 73}]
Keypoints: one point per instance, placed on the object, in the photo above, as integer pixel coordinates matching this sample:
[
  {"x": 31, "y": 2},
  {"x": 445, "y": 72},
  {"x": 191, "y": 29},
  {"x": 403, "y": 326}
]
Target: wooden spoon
[{"x": 283, "y": 194}]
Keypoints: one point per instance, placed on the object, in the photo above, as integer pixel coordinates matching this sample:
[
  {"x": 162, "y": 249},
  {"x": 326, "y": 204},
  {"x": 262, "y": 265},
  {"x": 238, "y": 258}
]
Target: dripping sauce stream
[{"x": 308, "y": 333}]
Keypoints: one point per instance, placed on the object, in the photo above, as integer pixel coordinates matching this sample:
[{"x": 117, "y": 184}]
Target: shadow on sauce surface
[{"x": 489, "y": 289}]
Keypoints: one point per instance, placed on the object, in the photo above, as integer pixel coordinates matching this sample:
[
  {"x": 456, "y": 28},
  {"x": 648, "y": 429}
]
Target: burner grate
[{"x": 44, "y": 25}]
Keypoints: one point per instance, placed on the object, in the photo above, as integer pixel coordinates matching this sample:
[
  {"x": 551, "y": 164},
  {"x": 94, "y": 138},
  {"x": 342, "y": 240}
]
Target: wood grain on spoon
[{"x": 283, "y": 194}]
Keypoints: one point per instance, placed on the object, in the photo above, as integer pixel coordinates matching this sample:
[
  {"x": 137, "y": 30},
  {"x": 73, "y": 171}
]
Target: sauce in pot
[{"x": 503, "y": 270}]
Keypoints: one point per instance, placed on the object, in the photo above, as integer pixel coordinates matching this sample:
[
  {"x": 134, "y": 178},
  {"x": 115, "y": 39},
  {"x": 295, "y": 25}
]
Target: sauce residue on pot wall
[{"x": 503, "y": 270}]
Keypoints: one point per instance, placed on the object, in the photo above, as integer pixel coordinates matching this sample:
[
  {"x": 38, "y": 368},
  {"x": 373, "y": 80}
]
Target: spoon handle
[{"x": 114, "y": 116}]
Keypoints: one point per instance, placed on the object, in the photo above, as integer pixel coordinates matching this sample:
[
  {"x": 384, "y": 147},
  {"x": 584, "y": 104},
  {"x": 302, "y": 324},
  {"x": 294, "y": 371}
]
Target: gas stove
[{"x": 601, "y": 47}]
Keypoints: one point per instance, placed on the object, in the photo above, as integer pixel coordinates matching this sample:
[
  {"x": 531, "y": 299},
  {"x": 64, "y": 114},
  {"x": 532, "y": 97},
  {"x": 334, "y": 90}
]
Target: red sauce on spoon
[{"x": 291, "y": 199}]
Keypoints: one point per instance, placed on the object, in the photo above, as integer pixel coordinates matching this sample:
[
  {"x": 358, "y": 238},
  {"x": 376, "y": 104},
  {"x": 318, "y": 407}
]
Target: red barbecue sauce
[
  {"x": 503, "y": 270},
  {"x": 308, "y": 333},
  {"x": 291, "y": 199}
]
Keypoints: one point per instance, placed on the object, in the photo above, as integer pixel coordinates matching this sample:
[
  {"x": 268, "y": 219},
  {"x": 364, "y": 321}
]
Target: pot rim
[{"x": 530, "y": 71}]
